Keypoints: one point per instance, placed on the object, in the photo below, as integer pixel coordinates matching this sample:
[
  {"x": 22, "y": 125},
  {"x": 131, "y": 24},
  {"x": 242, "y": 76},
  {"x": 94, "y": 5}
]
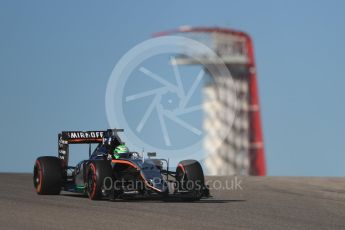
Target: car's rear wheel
[
  {"x": 99, "y": 177},
  {"x": 47, "y": 176},
  {"x": 190, "y": 179}
]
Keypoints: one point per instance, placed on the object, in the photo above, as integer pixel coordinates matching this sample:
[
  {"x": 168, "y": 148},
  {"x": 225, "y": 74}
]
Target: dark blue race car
[{"x": 116, "y": 175}]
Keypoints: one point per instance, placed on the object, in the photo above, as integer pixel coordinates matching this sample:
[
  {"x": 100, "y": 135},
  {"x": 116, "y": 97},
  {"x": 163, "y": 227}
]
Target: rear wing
[
  {"x": 82, "y": 137},
  {"x": 65, "y": 138}
]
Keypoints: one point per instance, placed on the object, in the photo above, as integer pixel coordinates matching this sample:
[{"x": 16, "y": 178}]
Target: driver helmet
[{"x": 120, "y": 150}]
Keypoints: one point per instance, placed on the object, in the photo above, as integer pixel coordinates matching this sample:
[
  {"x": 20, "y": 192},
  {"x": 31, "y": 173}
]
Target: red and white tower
[{"x": 241, "y": 150}]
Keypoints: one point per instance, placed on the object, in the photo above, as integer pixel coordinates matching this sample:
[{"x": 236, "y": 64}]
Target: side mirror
[{"x": 151, "y": 154}]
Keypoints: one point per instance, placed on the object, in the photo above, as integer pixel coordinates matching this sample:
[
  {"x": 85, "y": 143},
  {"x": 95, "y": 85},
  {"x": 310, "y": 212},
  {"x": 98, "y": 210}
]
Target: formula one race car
[{"x": 127, "y": 175}]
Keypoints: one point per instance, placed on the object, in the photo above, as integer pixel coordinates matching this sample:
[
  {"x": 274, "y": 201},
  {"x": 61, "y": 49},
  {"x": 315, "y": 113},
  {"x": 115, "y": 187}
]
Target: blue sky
[{"x": 56, "y": 58}]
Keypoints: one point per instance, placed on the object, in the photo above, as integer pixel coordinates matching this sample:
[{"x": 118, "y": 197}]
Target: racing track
[{"x": 264, "y": 203}]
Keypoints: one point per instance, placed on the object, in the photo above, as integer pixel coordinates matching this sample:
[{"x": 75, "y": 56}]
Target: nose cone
[
  {"x": 154, "y": 180},
  {"x": 159, "y": 185}
]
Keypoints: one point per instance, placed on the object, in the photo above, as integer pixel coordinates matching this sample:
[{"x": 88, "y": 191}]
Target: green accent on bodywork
[
  {"x": 80, "y": 187},
  {"x": 117, "y": 156}
]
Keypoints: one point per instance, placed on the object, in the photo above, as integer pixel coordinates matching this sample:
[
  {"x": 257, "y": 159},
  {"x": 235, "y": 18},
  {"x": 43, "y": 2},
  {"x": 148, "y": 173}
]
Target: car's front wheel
[
  {"x": 190, "y": 179},
  {"x": 99, "y": 178}
]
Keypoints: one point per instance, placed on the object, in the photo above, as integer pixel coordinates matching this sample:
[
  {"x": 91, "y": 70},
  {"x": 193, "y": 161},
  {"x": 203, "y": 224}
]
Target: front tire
[
  {"x": 47, "y": 176},
  {"x": 98, "y": 172},
  {"x": 190, "y": 179}
]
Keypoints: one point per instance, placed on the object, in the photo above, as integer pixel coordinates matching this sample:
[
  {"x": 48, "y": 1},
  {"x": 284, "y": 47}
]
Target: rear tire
[
  {"x": 98, "y": 171},
  {"x": 47, "y": 176},
  {"x": 190, "y": 178}
]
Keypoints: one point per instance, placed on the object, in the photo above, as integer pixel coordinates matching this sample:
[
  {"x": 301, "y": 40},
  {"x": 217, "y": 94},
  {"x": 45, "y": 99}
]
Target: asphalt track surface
[{"x": 256, "y": 203}]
